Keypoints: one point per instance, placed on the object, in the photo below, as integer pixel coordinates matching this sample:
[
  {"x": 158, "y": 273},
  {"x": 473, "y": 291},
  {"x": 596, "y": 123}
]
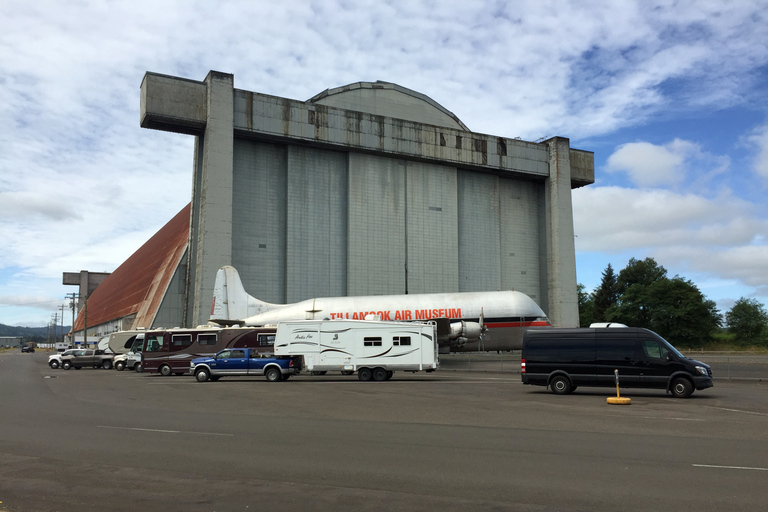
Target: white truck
[
  {"x": 373, "y": 349},
  {"x": 132, "y": 358}
]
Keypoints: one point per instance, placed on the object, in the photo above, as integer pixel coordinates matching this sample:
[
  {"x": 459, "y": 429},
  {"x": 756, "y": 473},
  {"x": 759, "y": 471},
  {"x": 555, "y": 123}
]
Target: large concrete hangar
[{"x": 365, "y": 189}]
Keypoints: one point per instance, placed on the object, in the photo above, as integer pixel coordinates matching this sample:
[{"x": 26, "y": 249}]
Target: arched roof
[{"x": 390, "y": 100}]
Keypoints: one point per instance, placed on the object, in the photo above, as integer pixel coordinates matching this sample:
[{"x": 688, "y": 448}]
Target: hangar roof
[
  {"x": 139, "y": 284},
  {"x": 391, "y": 100}
]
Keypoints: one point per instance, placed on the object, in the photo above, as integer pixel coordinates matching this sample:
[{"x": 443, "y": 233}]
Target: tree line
[{"x": 641, "y": 295}]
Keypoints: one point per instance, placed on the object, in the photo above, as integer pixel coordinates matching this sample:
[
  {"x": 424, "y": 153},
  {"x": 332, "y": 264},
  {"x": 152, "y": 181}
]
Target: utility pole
[
  {"x": 72, "y": 305},
  {"x": 61, "y": 307}
]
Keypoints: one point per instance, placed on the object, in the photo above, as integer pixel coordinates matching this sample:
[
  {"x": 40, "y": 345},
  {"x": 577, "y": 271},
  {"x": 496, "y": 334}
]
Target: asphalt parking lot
[{"x": 458, "y": 439}]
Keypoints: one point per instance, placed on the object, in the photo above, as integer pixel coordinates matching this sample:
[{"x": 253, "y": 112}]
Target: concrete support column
[
  {"x": 211, "y": 235},
  {"x": 563, "y": 307}
]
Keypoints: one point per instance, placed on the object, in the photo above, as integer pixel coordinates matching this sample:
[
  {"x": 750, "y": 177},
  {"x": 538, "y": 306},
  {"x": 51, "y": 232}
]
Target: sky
[{"x": 671, "y": 96}]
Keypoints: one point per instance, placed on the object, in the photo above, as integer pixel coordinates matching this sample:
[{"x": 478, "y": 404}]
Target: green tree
[
  {"x": 673, "y": 308},
  {"x": 748, "y": 321},
  {"x": 586, "y": 305},
  {"x": 680, "y": 312},
  {"x": 605, "y": 296},
  {"x": 643, "y": 272}
]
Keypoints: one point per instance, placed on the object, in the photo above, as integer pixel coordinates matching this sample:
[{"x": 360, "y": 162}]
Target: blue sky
[{"x": 670, "y": 96}]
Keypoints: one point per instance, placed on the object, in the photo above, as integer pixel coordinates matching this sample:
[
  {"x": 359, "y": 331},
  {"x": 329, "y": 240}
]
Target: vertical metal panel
[
  {"x": 519, "y": 203},
  {"x": 478, "y": 233},
  {"x": 431, "y": 226},
  {"x": 259, "y": 218},
  {"x": 316, "y": 240},
  {"x": 376, "y": 254}
]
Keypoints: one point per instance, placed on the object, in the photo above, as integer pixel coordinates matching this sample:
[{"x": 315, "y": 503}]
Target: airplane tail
[{"x": 231, "y": 301}]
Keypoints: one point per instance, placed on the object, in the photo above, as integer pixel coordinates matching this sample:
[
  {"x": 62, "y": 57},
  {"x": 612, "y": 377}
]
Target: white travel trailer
[{"x": 373, "y": 349}]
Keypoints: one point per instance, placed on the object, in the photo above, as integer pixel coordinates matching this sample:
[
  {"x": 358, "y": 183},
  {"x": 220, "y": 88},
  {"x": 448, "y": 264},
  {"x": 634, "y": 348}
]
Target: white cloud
[
  {"x": 722, "y": 238},
  {"x": 649, "y": 165},
  {"x": 759, "y": 139}
]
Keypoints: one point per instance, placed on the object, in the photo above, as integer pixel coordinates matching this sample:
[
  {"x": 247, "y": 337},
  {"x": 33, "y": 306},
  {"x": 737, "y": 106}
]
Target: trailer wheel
[
  {"x": 364, "y": 374},
  {"x": 390, "y": 373},
  {"x": 347, "y": 372},
  {"x": 681, "y": 388},
  {"x": 107, "y": 365},
  {"x": 165, "y": 370},
  {"x": 560, "y": 385},
  {"x": 202, "y": 375},
  {"x": 273, "y": 374},
  {"x": 379, "y": 374},
  {"x": 119, "y": 366}
]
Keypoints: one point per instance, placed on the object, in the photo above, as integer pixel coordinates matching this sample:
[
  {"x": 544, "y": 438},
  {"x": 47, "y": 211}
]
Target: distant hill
[{"x": 30, "y": 333}]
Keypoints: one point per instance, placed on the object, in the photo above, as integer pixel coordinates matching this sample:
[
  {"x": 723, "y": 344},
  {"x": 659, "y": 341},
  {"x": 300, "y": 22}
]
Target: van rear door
[{"x": 617, "y": 349}]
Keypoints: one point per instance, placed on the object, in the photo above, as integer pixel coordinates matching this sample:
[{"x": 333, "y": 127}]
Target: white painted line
[
  {"x": 727, "y": 467},
  {"x": 165, "y": 431},
  {"x": 738, "y": 410}
]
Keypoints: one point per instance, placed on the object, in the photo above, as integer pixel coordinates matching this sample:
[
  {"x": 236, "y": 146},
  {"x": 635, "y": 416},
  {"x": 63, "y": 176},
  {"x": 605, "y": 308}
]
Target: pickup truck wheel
[
  {"x": 364, "y": 374},
  {"x": 273, "y": 374},
  {"x": 390, "y": 373},
  {"x": 137, "y": 367},
  {"x": 379, "y": 374},
  {"x": 165, "y": 370},
  {"x": 54, "y": 364},
  {"x": 78, "y": 367},
  {"x": 681, "y": 388},
  {"x": 120, "y": 366},
  {"x": 202, "y": 375},
  {"x": 66, "y": 365},
  {"x": 107, "y": 365}
]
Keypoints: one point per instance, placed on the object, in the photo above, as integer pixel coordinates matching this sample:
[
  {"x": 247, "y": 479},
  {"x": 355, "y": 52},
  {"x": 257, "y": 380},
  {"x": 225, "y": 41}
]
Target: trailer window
[
  {"x": 181, "y": 340},
  {"x": 372, "y": 342},
  {"x": 401, "y": 340},
  {"x": 266, "y": 340},
  {"x": 206, "y": 339}
]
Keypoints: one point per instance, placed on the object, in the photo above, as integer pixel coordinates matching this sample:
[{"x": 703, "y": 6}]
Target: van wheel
[
  {"x": 560, "y": 385},
  {"x": 682, "y": 388}
]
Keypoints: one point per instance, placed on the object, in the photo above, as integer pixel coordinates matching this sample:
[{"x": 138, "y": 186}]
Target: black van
[{"x": 564, "y": 359}]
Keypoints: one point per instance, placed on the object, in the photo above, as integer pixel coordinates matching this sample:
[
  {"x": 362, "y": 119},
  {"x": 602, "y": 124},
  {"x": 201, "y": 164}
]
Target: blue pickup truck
[{"x": 244, "y": 361}]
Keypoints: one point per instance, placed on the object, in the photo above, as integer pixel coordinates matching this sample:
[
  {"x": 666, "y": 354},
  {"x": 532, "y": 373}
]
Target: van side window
[
  {"x": 652, "y": 349},
  {"x": 616, "y": 349}
]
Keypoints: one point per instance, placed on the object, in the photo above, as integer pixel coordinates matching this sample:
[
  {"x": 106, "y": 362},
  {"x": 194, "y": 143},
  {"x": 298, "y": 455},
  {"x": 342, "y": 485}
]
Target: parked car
[
  {"x": 54, "y": 360},
  {"x": 27, "y": 348},
  {"x": 86, "y": 357}
]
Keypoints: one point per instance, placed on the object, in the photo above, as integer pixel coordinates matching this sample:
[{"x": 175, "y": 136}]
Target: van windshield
[{"x": 671, "y": 348}]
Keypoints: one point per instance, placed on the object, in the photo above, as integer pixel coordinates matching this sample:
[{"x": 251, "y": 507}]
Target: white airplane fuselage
[{"x": 505, "y": 314}]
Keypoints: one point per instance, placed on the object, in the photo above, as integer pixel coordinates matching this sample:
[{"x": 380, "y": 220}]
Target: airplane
[{"x": 465, "y": 320}]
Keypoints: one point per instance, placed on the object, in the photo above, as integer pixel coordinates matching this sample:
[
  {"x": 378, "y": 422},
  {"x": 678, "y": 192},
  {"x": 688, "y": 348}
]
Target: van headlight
[{"x": 702, "y": 370}]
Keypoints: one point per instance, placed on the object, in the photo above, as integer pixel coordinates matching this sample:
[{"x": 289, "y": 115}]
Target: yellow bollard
[{"x": 618, "y": 399}]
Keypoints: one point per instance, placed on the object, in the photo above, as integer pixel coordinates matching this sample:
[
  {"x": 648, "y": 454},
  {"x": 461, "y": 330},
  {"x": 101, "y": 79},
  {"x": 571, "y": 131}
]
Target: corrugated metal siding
[{"x": 139, "y": 284}]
